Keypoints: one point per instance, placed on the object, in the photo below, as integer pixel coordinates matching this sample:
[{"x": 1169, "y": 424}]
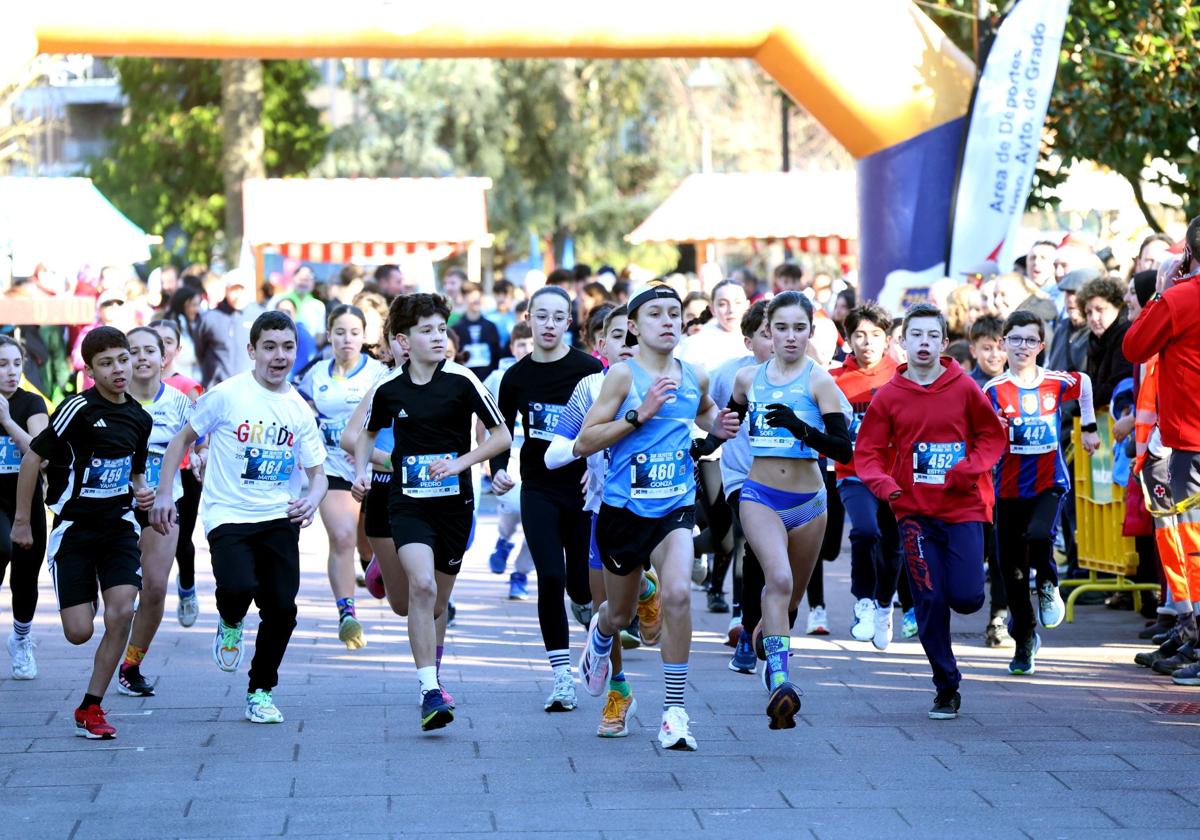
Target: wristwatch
[
  {"x": 1088, "y": 427},
  {"x": 631, "y": 417}
]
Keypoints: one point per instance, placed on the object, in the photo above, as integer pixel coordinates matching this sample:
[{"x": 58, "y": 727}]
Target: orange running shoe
[{"x": 649, "y": 612}]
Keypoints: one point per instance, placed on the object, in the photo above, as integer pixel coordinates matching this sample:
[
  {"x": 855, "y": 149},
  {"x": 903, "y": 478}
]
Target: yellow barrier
[{"x": 1099, "y": 514}]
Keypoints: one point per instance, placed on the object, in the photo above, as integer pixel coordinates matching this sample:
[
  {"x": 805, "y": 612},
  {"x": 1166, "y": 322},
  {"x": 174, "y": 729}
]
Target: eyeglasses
[
  {"x": 556, "y": 318},
  {"x": 1021, "y": 341}
]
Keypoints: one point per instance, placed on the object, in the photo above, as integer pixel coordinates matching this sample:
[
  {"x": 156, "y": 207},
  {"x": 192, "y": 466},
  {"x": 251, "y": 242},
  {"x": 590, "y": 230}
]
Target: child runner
[
  {"x": 95, "y": 448},
  {"x": 22, "y": 418},
  {"x": 168, "y": 409},
  {"x": 611, "y": 343},
  {"x": 874, "y": 541},
  {"x": 258, "y": 430},
  {"x": 557, "y": 528},
  {"x": 643, "y": 416},
  {"x": 429, "y": 406},
  {"x": 188, "y": 608},
  {"x": 796, "y": 414},
  {"x": 927, "y": 444},
  {"x": 334, "y": 389},
  {"x": 1032, "y": 477}
]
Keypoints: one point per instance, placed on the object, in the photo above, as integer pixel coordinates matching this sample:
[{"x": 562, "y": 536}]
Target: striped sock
[
  {"x": 777, "y": 659},
  {"x": 21, "y": 628},
  {"x": 345, "y": 607},
  {"x": 134, "y": 656},
  {"x": 648, "y": 589},
  {"x": 559, "y": 659},
  {"x": 601, "y": 644},
  {"x": 675, "y": 675}
]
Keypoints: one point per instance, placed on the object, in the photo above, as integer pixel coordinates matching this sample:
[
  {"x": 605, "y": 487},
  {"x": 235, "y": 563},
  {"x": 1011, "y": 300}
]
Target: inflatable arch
[{"x": 878, "y": 74}]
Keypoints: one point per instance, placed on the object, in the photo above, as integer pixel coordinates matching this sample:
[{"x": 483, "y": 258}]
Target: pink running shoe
[{"x": 374, "y": 579}]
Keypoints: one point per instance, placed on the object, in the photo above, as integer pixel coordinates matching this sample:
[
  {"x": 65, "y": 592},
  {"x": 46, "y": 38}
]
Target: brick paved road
[{"x": 1069, "y": 752}]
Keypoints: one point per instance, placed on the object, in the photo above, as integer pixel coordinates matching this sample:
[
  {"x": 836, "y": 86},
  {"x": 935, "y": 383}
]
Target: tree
[
  {"x": 242, "y": 138},
  {"x": 165, "y": 163}
]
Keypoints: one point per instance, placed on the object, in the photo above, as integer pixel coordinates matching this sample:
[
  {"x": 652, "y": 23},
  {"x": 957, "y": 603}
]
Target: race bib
[
  {"x": 416, "y": 483},
  {"x": 266, "y": 467},
  {"x": 543, "y": 420},
  {"x": 659, "y": 475},
  {"x": 10, "y": 456},
  {"x": 106, "y": 477},
  {"x": 479, "y": 354},
  {"x": 763, "y": 435},
  {"x": 153, "y": 469},
  {"x": 331, "y": 433},
  {"x": 931, "y": 461},
  {"x": 1033, "y": 435}
]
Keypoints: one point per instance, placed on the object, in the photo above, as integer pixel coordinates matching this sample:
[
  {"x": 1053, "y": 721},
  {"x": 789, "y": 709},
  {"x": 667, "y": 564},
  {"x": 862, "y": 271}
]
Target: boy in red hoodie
[
  {"x": 928, "y": 444},
  {"x": 874, "y": 549}
]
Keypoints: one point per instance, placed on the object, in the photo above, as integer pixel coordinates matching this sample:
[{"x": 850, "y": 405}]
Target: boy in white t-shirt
[{"x": 258, "y": 429}]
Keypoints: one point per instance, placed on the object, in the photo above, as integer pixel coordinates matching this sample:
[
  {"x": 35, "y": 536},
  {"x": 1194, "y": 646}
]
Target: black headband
[{"x": 660, "y": 291}]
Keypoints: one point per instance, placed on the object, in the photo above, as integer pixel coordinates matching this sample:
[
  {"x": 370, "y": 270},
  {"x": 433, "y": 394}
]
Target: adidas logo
[
  {"x": 100, "y": 424},
  {"x": 402, "y": 414}
]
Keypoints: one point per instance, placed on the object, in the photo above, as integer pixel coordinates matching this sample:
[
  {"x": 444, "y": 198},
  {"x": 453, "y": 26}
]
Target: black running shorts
[
  {"x": 446, "y": 532},
  {"x": 82, "y": 553},
  {"x": 626, "y": 540},
  {"x": 376, "y": 524}
]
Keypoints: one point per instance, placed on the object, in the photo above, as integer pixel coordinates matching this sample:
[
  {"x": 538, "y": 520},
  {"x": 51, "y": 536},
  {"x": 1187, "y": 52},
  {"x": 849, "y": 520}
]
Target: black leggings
[
  {"x": 558, "y": 532},
  {"x": 187, "y": 506},
  {"x": 26, "y": 562},
  {"x": 1025, "y": 539}
]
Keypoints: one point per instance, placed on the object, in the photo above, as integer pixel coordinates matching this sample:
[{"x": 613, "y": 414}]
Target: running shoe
[
  {"x": 883, "y": 627},
  {"x": 631, "y": 636},
  {"x": 188, "y": 609},
  {"x": 227, "y": 646},
  {"x": 582, "y": 613},
  {"x": 864, "y": 620},
  {"x": 350, "y": 632},
  {"x": 435, "y": 711},
  {"x": 1024, "y": 661},
  {"x": 765, "y": 677},
  {"x": 1185, "y": 656},
  {"x": 373, "y": 580},
  {"x": 734, "y": 631},
  {"x": 1189, "y": 675},
  {"x": 617, "y": 711},
  {"x": 451, "y": 613},
  {"x": 649, "y": 612},
  {"x": 593, "y": 668},
  {"x": 908, "y": 625},
  {"x": 945, "y": 705},
  {"x": 562, "y": 697},
  {"x": 499, "y": 559},
  {"x": 699, "y": 569},
  {"x": 90, "y": 723},
  {"x": 131, "y": 683},
  {"x": 674, "y": 733},
  {"x": 743, "y": 660},
  {"x": 783, "y": 706},
  {"x": 260, "y": 708},
  {"x": 996, "y": 634},
  {"x": 756, "y": 639},
  {"x": 818, "y": 622},
  {"x": 518, "y": 586},
  {"x": 717, "y": 602},
  {"x": 1051, "y": 609},
  {"x": 20, "y": 648},
  {"x": 446, "y": 694}
]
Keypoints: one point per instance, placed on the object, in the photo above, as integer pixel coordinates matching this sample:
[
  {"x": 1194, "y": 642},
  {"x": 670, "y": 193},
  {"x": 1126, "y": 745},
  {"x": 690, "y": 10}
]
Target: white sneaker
[
  {"x": 699, "y": 569},
  {"x": 883, "y": 627},
  {"x": 260, "y": 708},
  {"x": 188, "y": 610},
  {"x": 227, "y": 646},
  {"x": 674, "y": 734},
  {"x": 562, "y": 698},
  {"x": 818, "y": 622},
  {"x": 20, "y": 648},
  {"x": 1051, "y": 609},
  {"x": 864, "y": 620}
]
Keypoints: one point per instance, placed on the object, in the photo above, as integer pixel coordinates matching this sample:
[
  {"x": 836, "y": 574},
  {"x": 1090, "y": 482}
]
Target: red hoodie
[
  {"x": 936, "y": 444},
  {"x": 860, "y": 386}
]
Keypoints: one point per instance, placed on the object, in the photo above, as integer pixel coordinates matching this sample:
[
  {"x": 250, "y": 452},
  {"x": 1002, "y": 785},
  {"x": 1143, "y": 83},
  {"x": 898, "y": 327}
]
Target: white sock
[{"x": 428, "y": 678}]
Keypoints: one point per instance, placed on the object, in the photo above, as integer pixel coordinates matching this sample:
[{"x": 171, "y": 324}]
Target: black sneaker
[
  {"x": 131, "y": 683},
  {"x": 996, "y": 634},
  {"x": 1169, "y": 648},
  {"x": 1161, "y": 627},
  {"x": 1168, "y": 665},
  {"x": 717, "y": 603},
  {"x": 945, "y": 705}
]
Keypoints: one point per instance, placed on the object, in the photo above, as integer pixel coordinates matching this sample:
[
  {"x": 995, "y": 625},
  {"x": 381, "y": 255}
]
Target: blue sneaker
[
  {"x": 743, "y": 660},
  {"x": 435, "y": 711},
  {"x": 499, "y": 558},
  {"x": 908, "y": 626},
  {"x": 518, "y": 586}
]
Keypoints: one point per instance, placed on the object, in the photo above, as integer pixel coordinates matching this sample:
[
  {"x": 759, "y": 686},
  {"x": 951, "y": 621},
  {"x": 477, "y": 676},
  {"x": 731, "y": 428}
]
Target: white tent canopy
[{"x": 65, "y": 223}]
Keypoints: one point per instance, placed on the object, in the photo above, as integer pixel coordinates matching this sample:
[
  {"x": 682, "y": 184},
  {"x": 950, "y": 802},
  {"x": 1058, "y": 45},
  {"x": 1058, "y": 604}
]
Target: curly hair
[{"x": 1109, "y": 288}]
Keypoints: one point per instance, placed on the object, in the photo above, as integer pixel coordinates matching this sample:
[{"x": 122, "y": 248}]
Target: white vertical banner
[{"x": 1005, "y": 133}]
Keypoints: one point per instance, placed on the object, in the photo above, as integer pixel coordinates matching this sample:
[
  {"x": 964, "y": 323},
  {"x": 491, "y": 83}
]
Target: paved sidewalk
[{"x": 1071, "y": 752}]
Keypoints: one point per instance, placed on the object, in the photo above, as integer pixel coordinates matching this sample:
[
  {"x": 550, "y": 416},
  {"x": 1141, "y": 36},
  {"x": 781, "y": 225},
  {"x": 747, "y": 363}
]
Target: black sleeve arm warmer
[
  {"x": 703, "y": 447},
  {"x": 835, "y": 441},
  {"x": 738, "y": 408}
]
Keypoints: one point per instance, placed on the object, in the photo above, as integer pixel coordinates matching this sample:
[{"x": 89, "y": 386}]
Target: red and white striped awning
[
  {"x": 810, "y": 212},
  {"x": 365, "y": 220}
]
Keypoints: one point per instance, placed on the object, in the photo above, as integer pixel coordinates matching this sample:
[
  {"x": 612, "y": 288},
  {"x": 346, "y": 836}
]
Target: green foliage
[{"x": 164, "y": 165}]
